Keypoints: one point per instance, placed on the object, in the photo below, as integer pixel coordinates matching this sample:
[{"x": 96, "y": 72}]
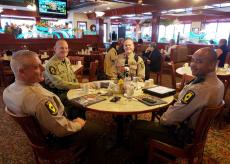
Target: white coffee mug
[
  {"x": 78, "y": 62},
  {"x": 151, "y": 81},
  {"x": 147, "y": 83}
]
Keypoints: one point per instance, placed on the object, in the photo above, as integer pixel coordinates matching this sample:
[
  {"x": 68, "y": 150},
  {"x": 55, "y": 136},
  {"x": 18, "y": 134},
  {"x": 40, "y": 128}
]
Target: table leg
[{"x": 120, "y": 129}]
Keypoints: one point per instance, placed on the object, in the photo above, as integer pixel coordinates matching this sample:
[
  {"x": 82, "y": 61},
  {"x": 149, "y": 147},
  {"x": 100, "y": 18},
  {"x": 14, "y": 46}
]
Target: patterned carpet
[{"x": 14, "y": 148}]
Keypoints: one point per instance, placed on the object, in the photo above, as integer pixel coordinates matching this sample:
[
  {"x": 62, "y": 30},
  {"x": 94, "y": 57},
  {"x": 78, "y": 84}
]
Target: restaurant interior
[{"x": 90, "y": 27}]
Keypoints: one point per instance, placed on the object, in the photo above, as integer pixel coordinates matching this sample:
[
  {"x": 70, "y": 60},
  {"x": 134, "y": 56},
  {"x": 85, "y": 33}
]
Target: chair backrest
[
  {"x": 101, "y": 50},
  {"x": 162, "y": 61},
  {"x": 159, "y": 74},
  {"x": 227, "y": 59},
  {"x": 93, "y": 70},
  {"x": 75, "y": 59},
  {"x": 179, "y": 54},
  {"x": 173, "y": 74},
  {"x": 30, "y": 126},
  {"x": 185, "y": 79},
  {"x": 207, "y": 115}
]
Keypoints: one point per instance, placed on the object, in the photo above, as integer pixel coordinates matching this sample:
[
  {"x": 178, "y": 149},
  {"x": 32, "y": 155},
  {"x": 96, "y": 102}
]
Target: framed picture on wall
[{"x": 82, "y": 25}]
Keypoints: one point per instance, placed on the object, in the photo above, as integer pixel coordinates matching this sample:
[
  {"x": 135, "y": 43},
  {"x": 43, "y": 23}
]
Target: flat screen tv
[{"x": 52, "y": 8}]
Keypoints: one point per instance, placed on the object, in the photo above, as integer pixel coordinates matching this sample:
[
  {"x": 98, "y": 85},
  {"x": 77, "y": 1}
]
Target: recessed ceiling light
[
  {"x": 129, "y": 15},
  {"x": 115, "y": 17}
]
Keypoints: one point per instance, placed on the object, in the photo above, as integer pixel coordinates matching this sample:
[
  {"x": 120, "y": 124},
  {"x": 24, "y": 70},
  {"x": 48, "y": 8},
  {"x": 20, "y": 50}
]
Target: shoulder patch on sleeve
[
  {"x": 51, "y": 108},
  {"x": 188, "y": 97},
  {"x": 52, "y": 70}
]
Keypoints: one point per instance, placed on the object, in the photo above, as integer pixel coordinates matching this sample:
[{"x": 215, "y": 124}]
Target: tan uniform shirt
[
  {"x": 59, "y": 74},
  {"x": 137, "y": 68},
  {"x": 194, "y": 97},
  {"x": 109, "y": 63},
  {"x": 34, "y": 100}
]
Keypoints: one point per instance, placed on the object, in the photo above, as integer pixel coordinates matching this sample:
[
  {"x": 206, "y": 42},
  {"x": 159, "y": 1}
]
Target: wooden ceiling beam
[
  {"x": 192, "y": 17},
  {"x": 215, "y": 12},
  {"x": 137, "y": 9},
  {"x": 19, "y": 13},
  {"x": 173, "y": 4}
]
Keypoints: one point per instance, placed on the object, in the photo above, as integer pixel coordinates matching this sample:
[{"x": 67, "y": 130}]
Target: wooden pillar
[
  {"x": 100, "y": 32},
  {"x": 155, "y": 26},
  {"x": 37, "y": 19},
  {"x": 0, "y": 23}
]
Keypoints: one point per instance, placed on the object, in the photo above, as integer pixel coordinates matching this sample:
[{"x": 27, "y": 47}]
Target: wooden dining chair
[
  {"x": 93, "y": 70},
  {"x": 159, "y": 73},
  {"x": 227, "y": 59},
  {"x": 74, "y": 61},
  {"x": 173, "y": 73},
  {"x": 185, "y": 80},
  {"x": 163, "y": 151},
  {"x": 101, "y": 50},
  {"x": 41, "y": 149},
  {"x": 6, "y": 74}
]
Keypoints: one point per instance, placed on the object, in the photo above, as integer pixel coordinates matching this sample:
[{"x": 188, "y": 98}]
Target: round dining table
[
  {"x": 125, "y": 106},
  {"x": 187, "y": 70}
]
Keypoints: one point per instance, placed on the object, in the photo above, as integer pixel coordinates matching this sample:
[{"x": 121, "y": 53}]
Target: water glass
[
  {"x": 86, "y": 88},
  {"x": 130, "y": 92},
  {"x": 226, "y": 66},
  {"x": 78, "y": 62}
]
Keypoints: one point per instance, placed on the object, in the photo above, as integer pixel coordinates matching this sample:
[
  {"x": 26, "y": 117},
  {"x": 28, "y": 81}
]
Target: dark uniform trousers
[
  {"x": 90, "y": 134},
  {"x": 142, "y": 130},
  {"x": 71, "y": 111}
]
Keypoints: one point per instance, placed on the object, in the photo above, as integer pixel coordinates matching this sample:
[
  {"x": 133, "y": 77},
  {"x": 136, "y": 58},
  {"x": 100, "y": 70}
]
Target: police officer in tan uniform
[
  {"x": 110, "y": 61},
  {"x": 27, "y": 97},
  {"x": 205, "y": 90},
  {"x": 58, "y": 72},
  {"x": 60, "y": 77},
  {"x": 135, "y": 63}
]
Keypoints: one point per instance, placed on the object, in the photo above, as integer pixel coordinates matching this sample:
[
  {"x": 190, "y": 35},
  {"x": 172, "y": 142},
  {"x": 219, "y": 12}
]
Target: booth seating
[
  {"x": 179, "y": 55},
  {"x": 6, "y": 74}
]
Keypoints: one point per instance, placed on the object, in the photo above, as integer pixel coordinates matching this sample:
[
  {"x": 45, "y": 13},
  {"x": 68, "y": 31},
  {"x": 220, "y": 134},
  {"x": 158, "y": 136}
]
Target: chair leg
[
  {"x": 150, "y": 155},
  {"x": 190, "y": 161},
  {"x": 36, "y": 157}
]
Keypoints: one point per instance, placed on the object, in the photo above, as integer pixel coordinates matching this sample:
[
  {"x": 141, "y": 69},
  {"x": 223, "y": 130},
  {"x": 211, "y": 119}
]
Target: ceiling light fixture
[
  {"x": 140, "y": 2},
  {"x": 31, "y": 5},
  {"x": 99, "y": 13}
]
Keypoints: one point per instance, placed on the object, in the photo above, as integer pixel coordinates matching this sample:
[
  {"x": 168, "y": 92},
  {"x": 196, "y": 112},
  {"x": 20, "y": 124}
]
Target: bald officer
[
  {"x": 58, "y": 72},
  {"x": 60, "y": 77},
  {"x": 205, "y": 90},
  {"x": 128, "y": 58},
  {"x": 27, "y": 97}
]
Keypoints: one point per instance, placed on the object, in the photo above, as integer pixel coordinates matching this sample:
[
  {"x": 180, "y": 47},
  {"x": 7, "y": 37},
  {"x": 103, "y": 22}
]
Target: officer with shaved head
[{"x": 205, "y": 90}]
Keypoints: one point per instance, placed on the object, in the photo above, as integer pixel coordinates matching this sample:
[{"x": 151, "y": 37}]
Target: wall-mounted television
[{"x": 52, "y": 8}]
